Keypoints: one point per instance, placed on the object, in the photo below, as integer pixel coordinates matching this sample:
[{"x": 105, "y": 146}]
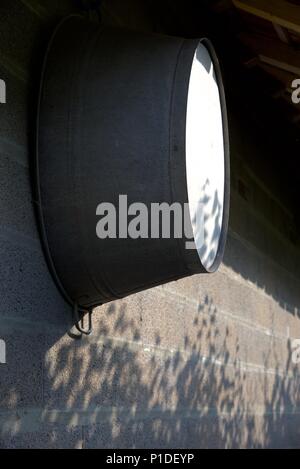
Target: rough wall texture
[{"x": 203, "y": 362}]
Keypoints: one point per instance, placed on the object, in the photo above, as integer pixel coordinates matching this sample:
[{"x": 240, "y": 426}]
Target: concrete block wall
[{"x": 202, "y": 362}]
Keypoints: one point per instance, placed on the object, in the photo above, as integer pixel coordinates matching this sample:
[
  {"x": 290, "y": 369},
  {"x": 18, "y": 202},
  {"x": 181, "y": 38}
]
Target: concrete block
[
  {"x": 119, "y": 319},
  {"x": 48, "y": 437},
  {"x": 163, "y": 320},
  {"x": 161, "y": 432},
  {"x": 111, "y": 373},
  {"x": 21, "y": 378},
  {"x": 16, "y": 200},
  {"x": 27, "y": 290}
]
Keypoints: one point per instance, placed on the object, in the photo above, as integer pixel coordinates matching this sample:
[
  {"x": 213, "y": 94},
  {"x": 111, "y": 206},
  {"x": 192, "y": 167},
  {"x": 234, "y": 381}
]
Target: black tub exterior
[{"x": 111, "y": 121}]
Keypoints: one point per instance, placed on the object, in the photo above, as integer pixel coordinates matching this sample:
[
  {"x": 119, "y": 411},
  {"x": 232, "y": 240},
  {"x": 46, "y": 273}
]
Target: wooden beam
[
  {"x": 279, "y": 12},
  {"x": 273, "y": 52},
  {"x": 281, "y": 33},
  {"x": 277, "y": 63},
  {"x": 281, "y": 76}
]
